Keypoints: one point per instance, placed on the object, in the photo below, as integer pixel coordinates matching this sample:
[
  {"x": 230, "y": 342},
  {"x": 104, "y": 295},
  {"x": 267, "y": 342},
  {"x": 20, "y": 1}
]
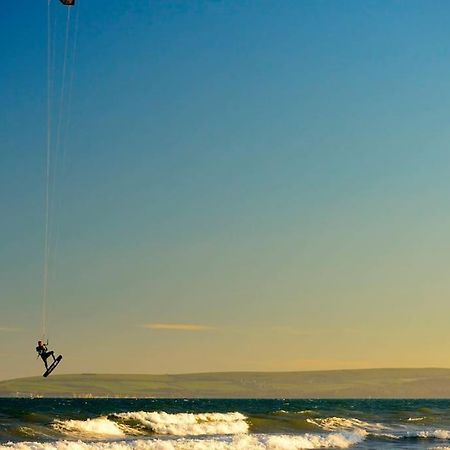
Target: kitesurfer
[{"x": 44, "y": 353}]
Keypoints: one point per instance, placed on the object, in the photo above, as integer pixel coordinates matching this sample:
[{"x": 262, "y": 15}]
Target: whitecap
[
  {"x": 188, "y": 424},
  {"x": 239, "y": 442},
  {"x": 98, "y": 427},
  {"x": 342, "y": 423}
]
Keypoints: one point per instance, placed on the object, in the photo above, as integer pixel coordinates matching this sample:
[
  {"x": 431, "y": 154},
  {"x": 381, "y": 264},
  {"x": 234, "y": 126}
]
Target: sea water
[{"x": 173, "y": 424}]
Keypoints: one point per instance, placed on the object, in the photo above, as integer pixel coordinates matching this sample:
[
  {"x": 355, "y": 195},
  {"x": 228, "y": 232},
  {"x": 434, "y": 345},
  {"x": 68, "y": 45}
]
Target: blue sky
[{"x": 275, "y": 173}]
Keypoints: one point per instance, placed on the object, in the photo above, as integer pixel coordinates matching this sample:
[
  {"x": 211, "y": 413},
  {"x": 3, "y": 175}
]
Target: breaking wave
[
  {"x": 240, "y": 442},
  {"x": 188, "y": 424},
  {"x": 333, "y": 440},
  {"x": 259, "y": 425},
  {"x": 434, "y": 434},
  {"x": 182, "y": 424},
  {"x": 182, "y": 431},
  {"x": 341, "y": 423},
  {"x": 98, "y": 427},
  {"x": 379, "y": 430}
]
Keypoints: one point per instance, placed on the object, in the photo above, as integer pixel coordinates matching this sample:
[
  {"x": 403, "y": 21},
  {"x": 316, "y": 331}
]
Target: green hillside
[{"x": 384, "y": 383}]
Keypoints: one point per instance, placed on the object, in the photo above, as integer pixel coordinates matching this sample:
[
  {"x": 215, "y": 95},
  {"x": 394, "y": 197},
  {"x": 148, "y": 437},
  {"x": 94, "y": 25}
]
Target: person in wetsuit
[{"x": 44, "y": 353}]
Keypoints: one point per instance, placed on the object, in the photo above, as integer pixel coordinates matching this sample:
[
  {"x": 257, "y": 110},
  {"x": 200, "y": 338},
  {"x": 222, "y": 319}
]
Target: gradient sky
[{"x": 248, "y": 185}]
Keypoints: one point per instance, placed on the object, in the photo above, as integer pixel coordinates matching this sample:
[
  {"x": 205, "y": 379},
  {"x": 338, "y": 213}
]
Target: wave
[
  {"x": 332, "y": 440},
  {"x": 240, "y": 442},
  {"x": 342, "y": 423},
  {"x": 182, "y": 424},
  {"x": 434, "y": 434},
  {"x": 379, "y": 430},
  {"x": 142, "y": 430},
  {"x": 303, "y": 411},
  {"x": 98, "y": 427},
  {"x": 188, "y": 424}
]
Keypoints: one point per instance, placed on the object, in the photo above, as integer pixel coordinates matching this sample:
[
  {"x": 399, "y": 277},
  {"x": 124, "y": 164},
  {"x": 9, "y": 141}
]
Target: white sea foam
[
  {"x": 27, "y": 431},
  {"x": 395, "y": 432},
  {"x": 341, "y": 423},
  {"x": 283, "y": 411},
  {"x": 239, "y": 442},
  {"x": 332, "y": 440},
  {"x": 99, "y": 426},
  {"x": 436, "y": 434},
  {"x": 186, "y": 424}
]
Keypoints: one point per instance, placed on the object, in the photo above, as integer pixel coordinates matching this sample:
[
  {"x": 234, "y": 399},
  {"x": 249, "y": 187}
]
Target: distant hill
[{"x": 375, "y": 383}]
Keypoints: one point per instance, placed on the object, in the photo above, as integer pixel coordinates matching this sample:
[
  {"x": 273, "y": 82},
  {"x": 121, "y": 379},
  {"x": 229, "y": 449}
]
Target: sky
[{"x": 241, "y": 185}]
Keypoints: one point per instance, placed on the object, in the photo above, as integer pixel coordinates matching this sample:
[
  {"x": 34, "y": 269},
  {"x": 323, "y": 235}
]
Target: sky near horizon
[{"x": 247, "y": 185}]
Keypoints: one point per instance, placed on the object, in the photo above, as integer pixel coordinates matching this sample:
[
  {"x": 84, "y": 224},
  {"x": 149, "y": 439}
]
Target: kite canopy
[{"x": 68, "y": 2}]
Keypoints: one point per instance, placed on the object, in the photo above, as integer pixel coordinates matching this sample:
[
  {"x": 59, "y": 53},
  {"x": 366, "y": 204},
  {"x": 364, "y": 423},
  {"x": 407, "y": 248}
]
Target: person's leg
[
  {"x": 45, "y": 361},
  {"x": 47, "y": 355}
]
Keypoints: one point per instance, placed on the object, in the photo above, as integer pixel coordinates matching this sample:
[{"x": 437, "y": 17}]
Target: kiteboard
[{"x": 53, "y": 366}]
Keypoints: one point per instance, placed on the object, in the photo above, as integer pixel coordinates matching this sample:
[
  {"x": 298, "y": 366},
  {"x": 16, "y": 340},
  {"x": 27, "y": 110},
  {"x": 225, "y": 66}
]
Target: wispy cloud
[
  {"x": 9, "y": 329},
  {"x": 289, "y": 330},
  {"x": 178, "y": 327}
]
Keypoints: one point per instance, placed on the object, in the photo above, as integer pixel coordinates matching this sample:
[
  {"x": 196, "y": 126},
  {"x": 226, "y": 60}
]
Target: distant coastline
[{"x": 362, "y": 383}]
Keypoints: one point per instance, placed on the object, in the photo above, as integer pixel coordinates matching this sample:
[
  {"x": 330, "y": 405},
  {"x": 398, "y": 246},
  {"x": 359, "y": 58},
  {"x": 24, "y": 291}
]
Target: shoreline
[{"x": 343, "y": 384}]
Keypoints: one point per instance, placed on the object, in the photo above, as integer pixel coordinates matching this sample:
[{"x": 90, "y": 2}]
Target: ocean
[{"x": 173, "y": 424}]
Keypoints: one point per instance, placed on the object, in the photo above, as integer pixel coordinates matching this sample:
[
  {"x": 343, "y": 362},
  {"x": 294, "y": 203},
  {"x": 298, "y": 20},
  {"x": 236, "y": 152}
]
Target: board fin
[{"x": 53, "y": 366}]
